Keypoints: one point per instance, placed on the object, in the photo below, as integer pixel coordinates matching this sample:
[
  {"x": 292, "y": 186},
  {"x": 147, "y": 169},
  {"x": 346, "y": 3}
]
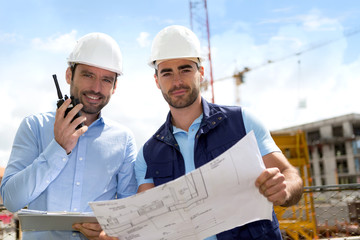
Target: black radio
[{"x": 74, "y": 102}]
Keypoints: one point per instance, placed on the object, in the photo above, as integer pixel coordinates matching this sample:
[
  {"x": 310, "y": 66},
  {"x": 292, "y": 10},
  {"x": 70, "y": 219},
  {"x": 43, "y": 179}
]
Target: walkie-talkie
[{"x": 74, "y": 101}]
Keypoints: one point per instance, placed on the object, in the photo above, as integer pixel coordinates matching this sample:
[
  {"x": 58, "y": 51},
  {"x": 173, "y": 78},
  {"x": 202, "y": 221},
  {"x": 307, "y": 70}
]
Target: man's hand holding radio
[{"x": 65, "y": 131}]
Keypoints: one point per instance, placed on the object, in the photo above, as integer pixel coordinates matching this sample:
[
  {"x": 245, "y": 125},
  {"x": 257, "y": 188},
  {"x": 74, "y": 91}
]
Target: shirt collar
[
  {"x": 99, "y": 120},
  {"x": 196, "y": 121},
  {"x": 211, "y": 117}
]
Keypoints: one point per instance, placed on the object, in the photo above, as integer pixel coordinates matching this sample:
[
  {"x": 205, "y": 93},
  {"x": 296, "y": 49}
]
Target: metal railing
[{"x": 325, "y": 212}]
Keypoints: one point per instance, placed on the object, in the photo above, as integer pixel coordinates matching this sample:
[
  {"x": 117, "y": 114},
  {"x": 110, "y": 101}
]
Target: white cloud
[
  {"x": 9, "y": 37},
  {"x": 143, "y": 39},
  {"x": 62, "y": 43},
  {"x": 282, "y": 10},
  {"x": 273, "y": 91},
  {"x": 314, "y": 21}
]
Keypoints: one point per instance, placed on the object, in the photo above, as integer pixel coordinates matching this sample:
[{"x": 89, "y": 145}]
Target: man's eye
[
  {"x": 185, "y": 70},
  {"x": 87, "y": 75},
  {"x": 166, "y": 74}
]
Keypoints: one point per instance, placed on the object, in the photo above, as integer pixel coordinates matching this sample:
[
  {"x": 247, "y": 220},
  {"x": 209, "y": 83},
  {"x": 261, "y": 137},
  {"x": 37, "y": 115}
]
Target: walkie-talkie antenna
[{"x": 57, "y": 87}]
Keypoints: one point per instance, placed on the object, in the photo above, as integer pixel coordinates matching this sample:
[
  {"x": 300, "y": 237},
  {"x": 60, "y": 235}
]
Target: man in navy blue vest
[{"x": 195, "y": 132}]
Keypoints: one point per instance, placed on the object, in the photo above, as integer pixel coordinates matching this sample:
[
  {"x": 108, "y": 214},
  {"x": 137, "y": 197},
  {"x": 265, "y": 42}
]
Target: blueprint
[{"x": 213, "y": 198}]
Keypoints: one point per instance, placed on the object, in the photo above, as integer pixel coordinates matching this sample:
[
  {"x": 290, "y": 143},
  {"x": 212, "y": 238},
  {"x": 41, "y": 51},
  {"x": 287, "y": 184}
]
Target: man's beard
[
  {"x": 183, "y": 101},
  {"x": 88, "y": 108}
]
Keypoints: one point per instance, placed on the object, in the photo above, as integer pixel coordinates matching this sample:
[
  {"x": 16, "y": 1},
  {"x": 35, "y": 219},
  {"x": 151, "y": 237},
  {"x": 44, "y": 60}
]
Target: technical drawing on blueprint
[{"x": 216, "y": 197}]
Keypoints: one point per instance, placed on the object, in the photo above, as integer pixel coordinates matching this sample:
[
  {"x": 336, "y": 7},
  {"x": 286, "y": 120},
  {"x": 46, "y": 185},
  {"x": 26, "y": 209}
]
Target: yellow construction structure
[{"x": 298, "y": 222}]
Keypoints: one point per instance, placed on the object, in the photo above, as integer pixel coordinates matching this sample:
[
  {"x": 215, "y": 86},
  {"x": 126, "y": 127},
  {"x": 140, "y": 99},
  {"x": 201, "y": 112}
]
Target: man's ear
[
  {"x": 68, "y": 75},
  {"x": 202, "y": 72},
  {"x": 156, "y": 81},
  {"x": 115, "y": 85}
]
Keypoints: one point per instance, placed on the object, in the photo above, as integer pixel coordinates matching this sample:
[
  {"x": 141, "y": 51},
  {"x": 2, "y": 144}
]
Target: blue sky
[{"x": 37, "y": 36}]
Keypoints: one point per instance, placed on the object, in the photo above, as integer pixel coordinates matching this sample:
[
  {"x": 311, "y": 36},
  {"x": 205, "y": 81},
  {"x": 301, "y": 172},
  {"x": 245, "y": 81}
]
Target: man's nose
[
  {"x": 177, "y": 79},
  {"x": 96, "y": 85}
]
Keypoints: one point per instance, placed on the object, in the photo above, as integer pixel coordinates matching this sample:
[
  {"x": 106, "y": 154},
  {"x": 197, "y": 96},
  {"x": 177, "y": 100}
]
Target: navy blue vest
[{"x": 220, "y": 128}]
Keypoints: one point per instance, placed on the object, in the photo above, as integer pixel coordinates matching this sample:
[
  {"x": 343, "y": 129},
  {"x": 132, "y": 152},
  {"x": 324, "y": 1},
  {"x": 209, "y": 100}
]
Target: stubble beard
[
  {"x": 88, "y": 108},
  {"x": 183, "y": 101}
]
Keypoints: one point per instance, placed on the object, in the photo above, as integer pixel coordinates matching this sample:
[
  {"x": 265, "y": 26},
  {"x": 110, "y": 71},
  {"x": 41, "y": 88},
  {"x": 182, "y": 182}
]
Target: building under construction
[
  {"x": 326, "y": 153},
  {"x": 334, "y": 149}
]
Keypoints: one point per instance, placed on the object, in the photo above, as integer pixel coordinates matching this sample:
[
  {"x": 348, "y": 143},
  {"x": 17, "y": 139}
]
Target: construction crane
[
  {"x": 199, "y": 19},
  {"x": 239, "y": 76}
]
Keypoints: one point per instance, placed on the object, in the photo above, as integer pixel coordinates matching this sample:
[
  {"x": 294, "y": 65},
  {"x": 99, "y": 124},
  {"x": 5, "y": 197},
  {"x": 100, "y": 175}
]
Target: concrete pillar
[
  {"x": 329, "y": 155},
  {"x": 348, "y": 129},
  {"x": 316, "y": 166}
]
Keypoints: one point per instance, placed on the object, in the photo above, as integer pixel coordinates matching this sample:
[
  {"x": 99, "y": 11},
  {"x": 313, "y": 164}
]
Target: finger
[
  {"x": 60, "y": 112},
  {"x": 269, "y": 179},
  {"x": 74, "y": 111},
  {"x": 274, "y": 188},
  {"x": 264, "y": 176},
  {"x": 69, "y": 116},
  {"x": 278, "y": 198},
  {"x": 63, "y": 107},
  {"x": 89, "y": 233},
  {"x": 77, "y": 121},
  {"x": 92, "y": 226},
  {"x": 80, "y": 131},
  {"x": 103, "y": 236}
]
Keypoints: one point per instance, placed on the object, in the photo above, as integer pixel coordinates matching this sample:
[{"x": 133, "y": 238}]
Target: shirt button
[
  {"x": 75, "y": 209},
  {"x": 64, "y": 159},
  {"x": 157, "y": 172},
  {"x": 213, "y": 123},
  {"x": 80, "y": 158},
  {"x": 77, "y": 183},
  {"x": 74, "y": 234},
  {"x": 47, "y": 181}
]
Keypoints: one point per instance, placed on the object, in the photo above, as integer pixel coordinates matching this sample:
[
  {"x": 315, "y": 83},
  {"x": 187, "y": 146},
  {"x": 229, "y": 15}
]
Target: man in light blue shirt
[{"x": 56, "y": 166}]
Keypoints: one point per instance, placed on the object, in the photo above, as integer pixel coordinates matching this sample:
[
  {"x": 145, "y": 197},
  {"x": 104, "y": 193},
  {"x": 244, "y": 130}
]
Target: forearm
[{"x": 26, "y": 176}]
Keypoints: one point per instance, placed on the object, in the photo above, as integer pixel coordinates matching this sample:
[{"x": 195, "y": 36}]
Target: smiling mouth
[{"x": 93, "y": 97}]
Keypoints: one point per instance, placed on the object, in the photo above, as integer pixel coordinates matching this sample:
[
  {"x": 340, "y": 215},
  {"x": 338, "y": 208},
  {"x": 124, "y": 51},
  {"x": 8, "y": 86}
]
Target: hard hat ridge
[{"x": 98, "y": 50}]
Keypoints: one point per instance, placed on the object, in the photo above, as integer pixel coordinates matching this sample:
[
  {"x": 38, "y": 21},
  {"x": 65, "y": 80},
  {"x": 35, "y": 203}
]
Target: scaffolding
[{"x": 298, "y": 221}]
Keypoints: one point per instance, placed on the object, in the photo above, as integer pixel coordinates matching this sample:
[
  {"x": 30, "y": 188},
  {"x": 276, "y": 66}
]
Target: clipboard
[{"x": 52, "y": 221}]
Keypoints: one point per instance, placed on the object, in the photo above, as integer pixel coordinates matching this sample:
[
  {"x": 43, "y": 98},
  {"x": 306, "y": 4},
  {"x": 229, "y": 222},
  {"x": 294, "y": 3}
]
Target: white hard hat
[
  {"x": 175, "y": 42},
  {"x": 97, "y": 50}
]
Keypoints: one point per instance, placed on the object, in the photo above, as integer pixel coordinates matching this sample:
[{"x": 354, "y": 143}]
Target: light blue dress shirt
[
  {"x": 186, "y": 141},
  {"x": 42, "y": 176}
]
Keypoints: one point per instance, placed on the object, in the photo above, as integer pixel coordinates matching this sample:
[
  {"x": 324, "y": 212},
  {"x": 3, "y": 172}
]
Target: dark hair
[
  {"x": 73, "y": 67},
  {"x": 197, "y": 65}
]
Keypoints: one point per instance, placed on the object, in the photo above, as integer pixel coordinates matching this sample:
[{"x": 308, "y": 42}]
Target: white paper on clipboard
[{"x": 32, "y": 220}]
